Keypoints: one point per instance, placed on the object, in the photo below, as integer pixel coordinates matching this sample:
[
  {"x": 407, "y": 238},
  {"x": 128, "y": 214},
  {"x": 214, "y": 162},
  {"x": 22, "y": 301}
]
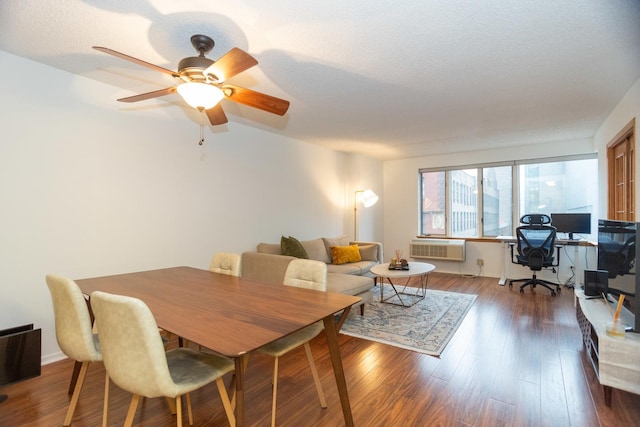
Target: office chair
[{"x": 536, "y": 244}]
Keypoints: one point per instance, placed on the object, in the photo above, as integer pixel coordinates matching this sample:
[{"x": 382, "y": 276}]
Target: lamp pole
[{"x": 355, "y": 214}]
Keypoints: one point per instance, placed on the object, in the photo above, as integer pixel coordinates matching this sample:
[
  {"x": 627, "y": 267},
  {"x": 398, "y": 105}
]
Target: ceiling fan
[{"x": 202, "y": 81}]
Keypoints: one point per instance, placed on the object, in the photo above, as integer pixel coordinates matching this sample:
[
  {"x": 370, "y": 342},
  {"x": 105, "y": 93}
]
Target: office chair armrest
[{"x": 511, "y": 245}]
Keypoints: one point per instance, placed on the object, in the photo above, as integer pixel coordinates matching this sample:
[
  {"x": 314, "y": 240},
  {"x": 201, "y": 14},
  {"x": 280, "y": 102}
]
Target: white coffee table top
[{"x": 415, "y": 269}]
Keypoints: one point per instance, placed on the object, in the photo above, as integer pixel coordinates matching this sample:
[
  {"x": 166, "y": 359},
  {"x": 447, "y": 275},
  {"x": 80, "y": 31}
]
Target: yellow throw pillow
[{"x": 345, "y": 254}]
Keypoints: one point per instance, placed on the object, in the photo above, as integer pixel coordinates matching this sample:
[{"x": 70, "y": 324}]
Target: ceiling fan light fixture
[{"x": 200, "y": 95}]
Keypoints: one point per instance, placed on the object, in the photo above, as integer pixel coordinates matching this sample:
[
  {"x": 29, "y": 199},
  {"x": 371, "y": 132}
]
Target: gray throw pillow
[
  {"x": 368, "y": 252},
  {"x": 292, "y": 247}
]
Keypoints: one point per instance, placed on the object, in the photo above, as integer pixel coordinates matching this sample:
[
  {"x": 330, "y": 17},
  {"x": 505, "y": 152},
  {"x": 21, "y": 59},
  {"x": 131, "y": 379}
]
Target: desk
[
  {"x": 576, "y": 244},
  {"x": 421, "y": 269},
  {"x": 232, "y": 316}
]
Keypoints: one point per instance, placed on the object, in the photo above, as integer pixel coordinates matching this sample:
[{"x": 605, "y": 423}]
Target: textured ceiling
[{"x": 389, "y": 79}]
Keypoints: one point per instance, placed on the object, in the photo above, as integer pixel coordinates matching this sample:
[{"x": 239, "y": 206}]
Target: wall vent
[{"x": 448, "y": 250}]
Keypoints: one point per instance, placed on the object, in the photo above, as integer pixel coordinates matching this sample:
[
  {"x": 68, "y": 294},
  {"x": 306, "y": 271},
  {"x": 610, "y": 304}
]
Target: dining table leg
[
  {"x": 331, "y": 332},
  {"x": 239, "y": 379}
]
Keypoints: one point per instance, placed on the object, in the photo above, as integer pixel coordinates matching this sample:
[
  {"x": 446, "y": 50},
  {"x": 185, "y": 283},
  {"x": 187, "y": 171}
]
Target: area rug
[{"x": 425, "y": 327}]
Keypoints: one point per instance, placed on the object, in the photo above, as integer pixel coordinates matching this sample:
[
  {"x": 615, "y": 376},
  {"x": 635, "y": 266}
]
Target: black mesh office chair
[{"x": 536, "y": 245}]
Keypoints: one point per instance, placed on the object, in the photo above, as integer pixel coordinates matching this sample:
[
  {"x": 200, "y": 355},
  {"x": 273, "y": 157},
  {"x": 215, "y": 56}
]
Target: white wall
[
  {"x": 627, "y": 109},
  {"x": 89, "y": 187}
]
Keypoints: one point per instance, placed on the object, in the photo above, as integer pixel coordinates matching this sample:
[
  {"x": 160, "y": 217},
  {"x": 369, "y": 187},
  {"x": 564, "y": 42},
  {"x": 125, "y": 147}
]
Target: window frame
[{"x": 515, "y": 189}]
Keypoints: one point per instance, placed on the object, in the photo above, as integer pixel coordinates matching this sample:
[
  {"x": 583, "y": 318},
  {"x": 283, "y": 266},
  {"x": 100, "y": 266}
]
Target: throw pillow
[
  {"x": 316, "y": 250},
  {"x": 338, "y": 241},
  {"x": 292, "y": 247},
  {"x": 368, "y": 252},
  {"x": 345, "y": 254}
]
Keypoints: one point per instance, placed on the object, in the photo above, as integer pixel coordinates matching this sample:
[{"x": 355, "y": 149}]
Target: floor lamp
[{"x": 368, "y": 199}]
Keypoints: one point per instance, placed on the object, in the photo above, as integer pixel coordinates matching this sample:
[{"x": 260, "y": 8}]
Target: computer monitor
[{"x": 578, "y": 223}]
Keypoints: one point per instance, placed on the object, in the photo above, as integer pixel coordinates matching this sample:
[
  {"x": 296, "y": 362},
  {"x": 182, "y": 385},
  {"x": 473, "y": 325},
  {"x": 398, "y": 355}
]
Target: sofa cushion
[
  {"x": 269, "y": 248},
  {"x": 316, "y": 250},
  {"x": 368, "y": 252},
  {"x": 345, "y": 254},
  {"x": 354, "y": 268},
  {"x": 292, "y": 247},
  {"x": 348, "y": 284},
  {"x": 337, "y": 241}
]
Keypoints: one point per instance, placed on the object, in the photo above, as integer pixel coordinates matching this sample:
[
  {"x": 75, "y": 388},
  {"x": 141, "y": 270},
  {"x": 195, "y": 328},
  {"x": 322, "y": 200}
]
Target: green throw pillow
[{"x": 292, "y": 247}]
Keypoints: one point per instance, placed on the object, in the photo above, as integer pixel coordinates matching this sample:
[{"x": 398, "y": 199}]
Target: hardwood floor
[{"x": 517, "y": 360}]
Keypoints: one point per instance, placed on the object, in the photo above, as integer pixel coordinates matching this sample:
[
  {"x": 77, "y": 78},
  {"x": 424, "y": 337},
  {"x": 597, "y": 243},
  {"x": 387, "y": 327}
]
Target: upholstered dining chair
[
  {"x": 308, "y": 274},
  {"x": 136, "y": 360},
  {"x": 226, "y": 263},
  {"x": 73, "y": 331}
]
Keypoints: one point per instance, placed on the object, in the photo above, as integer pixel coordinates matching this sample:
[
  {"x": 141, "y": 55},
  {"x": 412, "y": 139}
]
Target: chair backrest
[
  {"x": 226, "y": 263},
  {"x": 306, "y": 273},
  {"x": 73, "y": 321},
  {"x": 133, "y": 352},
  {"x": 536, "y": 241},
  {"x": 535, "y": 219}
]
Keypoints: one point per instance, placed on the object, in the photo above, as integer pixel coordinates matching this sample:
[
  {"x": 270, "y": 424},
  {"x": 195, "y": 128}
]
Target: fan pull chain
[{"x": 201, "y": 126}]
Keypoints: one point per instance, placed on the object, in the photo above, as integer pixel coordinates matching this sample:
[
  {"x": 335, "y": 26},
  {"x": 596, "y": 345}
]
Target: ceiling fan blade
[
  {"x": 216, "y": 115},
  {"x": 135, "y": 60},
  {"x": 255, "y": 99},
  {"x": 231, "y": 63},
  {"x": 149, "y": 95}
]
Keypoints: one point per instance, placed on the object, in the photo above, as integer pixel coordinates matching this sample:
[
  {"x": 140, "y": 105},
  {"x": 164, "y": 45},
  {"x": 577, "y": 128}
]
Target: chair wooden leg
[
  {"x": 179, "y": 411},
  {"x": 76, "y": 393},
  {"x": 105, "y": 409},
  {"x": 172, "y": 405},
  {"x": 74, "y": 377},
  {"x": 132, "y": 410},
  {"x": 314, "y": 373},
  {"x": 275, "y": 392},
  {"x": 189, "y": 411},
  {"x": 228, "y": 408}
]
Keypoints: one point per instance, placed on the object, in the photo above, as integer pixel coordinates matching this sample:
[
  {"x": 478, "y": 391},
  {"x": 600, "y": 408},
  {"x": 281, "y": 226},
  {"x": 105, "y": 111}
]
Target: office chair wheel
[
  {"x": 521, "y": 291},
  {"x": 553, "y": 293}
]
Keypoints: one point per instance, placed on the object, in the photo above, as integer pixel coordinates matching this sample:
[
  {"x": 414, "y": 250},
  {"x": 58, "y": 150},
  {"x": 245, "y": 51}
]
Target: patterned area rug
[{"x": 425, "y": 327}]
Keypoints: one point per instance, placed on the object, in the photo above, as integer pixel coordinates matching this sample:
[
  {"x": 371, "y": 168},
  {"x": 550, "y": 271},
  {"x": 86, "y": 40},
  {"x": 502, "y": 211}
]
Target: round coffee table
[{"x": 421, "y": 269}]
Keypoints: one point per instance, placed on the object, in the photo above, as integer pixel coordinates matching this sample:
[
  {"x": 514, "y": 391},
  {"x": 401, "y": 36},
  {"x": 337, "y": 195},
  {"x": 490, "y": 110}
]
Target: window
[{"x": 479, "y": 201}]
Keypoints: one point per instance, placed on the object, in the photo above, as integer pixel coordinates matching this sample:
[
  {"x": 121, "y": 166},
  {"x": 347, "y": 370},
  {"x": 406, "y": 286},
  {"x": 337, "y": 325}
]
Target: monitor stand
[{"x": 570, "y": 236}]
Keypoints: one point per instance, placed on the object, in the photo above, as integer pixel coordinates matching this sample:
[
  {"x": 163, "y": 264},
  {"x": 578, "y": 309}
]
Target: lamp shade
[
  {"x": 200, "y": 95},
  {"x": 368, "y": 198}
]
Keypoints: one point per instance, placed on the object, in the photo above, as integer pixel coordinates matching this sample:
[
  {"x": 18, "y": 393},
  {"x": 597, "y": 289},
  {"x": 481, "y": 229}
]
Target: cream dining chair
[
  {"x": 226, "y": 263},
  {"x": 309, "y": 274},
  {"x": 136, "y": 361},
  {"x": 73, "y": 331}
]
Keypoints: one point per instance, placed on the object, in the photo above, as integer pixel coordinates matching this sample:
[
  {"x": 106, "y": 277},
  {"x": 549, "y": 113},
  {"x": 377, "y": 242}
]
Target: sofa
[{"x": 351, "y": 277}]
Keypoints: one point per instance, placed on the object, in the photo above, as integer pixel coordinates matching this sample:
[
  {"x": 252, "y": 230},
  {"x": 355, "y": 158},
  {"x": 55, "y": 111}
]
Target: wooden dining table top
[{"x": 229, "y": 315}]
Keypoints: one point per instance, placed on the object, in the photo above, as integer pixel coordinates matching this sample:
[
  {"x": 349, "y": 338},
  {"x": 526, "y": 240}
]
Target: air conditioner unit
[{"x": 448, "y": 250}]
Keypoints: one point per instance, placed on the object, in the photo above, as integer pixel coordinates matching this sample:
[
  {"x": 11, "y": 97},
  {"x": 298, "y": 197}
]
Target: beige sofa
[{"x": 354, "y": 278}]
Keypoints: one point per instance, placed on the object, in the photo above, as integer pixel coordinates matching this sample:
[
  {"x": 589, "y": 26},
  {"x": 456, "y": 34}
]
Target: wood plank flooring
[{"x": 517, "y": 360}]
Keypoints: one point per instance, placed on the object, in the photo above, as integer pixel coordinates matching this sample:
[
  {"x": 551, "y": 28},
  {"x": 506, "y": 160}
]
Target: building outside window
[{"x": 456, "y": 203}]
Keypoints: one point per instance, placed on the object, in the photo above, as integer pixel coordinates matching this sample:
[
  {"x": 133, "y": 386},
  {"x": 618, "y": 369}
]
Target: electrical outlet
[{"x": 480, "y": 262}]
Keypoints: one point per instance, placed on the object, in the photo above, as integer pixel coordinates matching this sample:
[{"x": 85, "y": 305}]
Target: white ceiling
[{"x": 389, "y": 79}]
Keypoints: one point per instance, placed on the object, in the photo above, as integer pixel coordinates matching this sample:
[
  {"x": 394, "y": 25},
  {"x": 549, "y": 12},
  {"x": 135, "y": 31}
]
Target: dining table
[{"x": 233, "y": 316}]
